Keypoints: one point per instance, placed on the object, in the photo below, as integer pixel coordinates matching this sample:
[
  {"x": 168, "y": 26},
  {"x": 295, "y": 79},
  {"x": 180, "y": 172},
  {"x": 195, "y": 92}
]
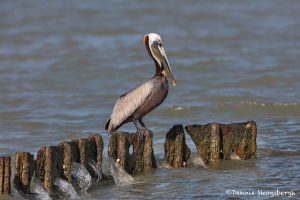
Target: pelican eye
[{"x": 157, "y": 43}]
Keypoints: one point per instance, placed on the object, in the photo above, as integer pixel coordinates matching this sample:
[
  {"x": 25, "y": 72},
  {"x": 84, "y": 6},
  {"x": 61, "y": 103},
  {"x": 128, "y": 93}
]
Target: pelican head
[{"x": 156, "y": 50}]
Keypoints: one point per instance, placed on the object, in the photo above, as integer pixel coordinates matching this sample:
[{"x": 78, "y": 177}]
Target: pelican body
[{"x": 136, "y": 103}]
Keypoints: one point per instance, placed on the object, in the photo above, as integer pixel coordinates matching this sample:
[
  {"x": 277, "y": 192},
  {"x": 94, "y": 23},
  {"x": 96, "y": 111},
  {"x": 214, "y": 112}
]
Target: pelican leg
[
  {"x": 136, "y": 125},
  {"x": 140, "y": 132},
  {"x": 142, "y": 123}
]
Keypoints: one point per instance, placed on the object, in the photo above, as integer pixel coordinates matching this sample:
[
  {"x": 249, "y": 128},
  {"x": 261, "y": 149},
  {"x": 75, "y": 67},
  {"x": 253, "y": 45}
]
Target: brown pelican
[{"x": 136, "y": 103}]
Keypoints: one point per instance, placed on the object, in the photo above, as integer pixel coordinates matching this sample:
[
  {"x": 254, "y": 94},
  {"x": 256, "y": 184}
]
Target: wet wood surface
[
  {"x": 24, "y": 170},
  {"x": 177, "y": 152},
  {"x": 216, "y": 141},
  {"x": 141, "y": 156},
  {"x": 5, "y": 175}
]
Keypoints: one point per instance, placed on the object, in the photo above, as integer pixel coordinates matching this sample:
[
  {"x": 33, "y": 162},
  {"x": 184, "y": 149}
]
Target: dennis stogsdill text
[{"x": 266, "y": 193}]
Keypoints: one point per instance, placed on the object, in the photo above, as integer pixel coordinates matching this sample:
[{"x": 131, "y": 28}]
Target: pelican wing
[{"x": 128, "y": 103}]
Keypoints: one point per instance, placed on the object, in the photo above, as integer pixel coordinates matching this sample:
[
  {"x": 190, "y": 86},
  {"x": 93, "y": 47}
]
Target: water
[
  {"x": 62, "y": 65},
  {"x": 81, "y": 175},
  {"x": 66, "y": 188}
]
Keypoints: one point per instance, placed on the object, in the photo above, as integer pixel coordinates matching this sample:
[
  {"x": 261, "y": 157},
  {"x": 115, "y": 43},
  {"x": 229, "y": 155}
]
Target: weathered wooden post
[
  {"x": 207, "y": 140},
  {"x": 96, "y": 151},
  {"x": 24, "y": 170},
  {"x": 46, "y": 167},
  {"x": 142, "y": 156},
  {"x": 64, "y": 163},
  {"x": 177, "y": 152},
  {"x": 148, "y": 152},
  {"x": 216, "y": 141},
  {"x": 83, "y": 147},
  {"x": 5, "y": 175},
  {"x": 240, "y": 139},
  {"x": 118, "y": 149},
  {"x": 88, "y": 152}
]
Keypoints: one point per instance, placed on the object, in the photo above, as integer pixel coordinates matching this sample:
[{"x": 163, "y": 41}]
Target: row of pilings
[{"x": 213, "y": 141}]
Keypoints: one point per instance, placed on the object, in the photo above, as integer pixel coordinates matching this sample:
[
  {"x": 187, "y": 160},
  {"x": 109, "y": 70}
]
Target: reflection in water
[{"x": 66, "y": 188}]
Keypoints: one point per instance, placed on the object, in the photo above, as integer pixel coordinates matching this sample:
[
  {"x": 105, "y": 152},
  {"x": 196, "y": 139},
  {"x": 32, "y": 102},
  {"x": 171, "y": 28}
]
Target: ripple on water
[{"x": 267, "y": 109}]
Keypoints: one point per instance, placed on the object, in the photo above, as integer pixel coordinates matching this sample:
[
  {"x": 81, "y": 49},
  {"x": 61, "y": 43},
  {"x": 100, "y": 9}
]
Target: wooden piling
[
  {"x": 96, "y": 144},
  {"x": 65, "y": 160},
  {"x": 207, "y": 140},
  {"x": 177, "y": 152},
  {"x": 118, "y": 149},
  {"x": 85, "y": 151},
  {"x": 83, "y": 145},
  {"x": 24, "y": 170},
  {"x": 5, "y": 175},
  {"x": 240, "y": 139},
  {"x": 216, "y": 141},
  {"x": 46, "y": 168},
  {"x": 148, "y": 152},
  {"x": 142, "y": 156}
]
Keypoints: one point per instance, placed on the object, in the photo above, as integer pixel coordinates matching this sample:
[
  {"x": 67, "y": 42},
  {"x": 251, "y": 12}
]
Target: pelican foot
[
  {"x": 147, "y": 132},
  {"x": 140, "y": 136}
]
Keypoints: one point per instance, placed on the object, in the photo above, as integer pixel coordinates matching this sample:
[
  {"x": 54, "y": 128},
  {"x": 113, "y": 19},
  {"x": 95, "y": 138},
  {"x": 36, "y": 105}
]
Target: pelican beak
[{"x": 166, "y": 66}]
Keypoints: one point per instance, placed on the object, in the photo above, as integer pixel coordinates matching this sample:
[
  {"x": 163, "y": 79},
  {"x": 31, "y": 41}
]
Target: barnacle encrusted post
[
  {"x": 142, "y": 155},
  {"x": 177, "y": 152},
  {"x": 5, "y": 175},
  {"x": 216, "y": 141}
]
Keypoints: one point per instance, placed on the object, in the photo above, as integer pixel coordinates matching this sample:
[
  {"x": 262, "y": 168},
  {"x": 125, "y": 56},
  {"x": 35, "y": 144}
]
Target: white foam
[
  {"x": 234, "y": 156},
  {"x": 120, "y": 176},
  {"x": 81, "y": 174},
  {"x": 197, "y": 161},
  {"x": 37, "y": 188},
  {"x": 93, "y": 165}
]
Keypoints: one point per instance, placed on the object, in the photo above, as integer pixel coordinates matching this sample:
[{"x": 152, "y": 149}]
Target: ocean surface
[{"x": 64, "y": 63}]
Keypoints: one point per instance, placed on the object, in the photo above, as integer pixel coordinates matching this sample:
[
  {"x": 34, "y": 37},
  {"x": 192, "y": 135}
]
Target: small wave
[
  {"x": 266, "y": 80},
  {"x": 178, "y": 108},
  {"x": 197, "y": 161},
  {"x": 277, "y": 152},
  {"x": 234, "y": 156},
  {"x": 255, "y": 107},
  {"x": 164, "y": 165},
  {"x": 280, "y": 104}
]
